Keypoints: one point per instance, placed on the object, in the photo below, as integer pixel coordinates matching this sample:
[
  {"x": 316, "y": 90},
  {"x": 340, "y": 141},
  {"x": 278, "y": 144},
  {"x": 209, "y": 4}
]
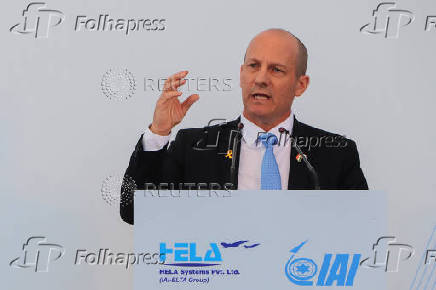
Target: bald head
[{"x": 289, "y": 41}]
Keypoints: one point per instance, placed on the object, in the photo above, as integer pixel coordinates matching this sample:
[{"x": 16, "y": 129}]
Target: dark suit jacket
[{"x": 198, "y": 156}]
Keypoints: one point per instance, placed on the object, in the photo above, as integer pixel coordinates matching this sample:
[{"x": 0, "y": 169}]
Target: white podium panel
[{"x": 259, "y": 239}]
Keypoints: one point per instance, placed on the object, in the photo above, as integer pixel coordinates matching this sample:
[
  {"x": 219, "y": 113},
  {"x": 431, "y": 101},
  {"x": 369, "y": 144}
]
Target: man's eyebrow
[
  {"x": 270, "y": 64},
  {"x": 277, "y": 64},
  {"x": 252, "y": 59}
]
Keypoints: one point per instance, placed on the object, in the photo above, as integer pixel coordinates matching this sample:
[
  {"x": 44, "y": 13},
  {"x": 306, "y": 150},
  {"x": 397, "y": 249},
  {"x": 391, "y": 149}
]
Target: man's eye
[
  {"x": 276, "y": 69},
  {"x": 252, "y": 65}
]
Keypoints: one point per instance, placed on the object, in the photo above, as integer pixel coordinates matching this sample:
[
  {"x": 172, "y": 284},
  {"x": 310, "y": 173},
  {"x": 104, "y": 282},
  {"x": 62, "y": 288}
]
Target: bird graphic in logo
[{"x": 237, "y": 244}]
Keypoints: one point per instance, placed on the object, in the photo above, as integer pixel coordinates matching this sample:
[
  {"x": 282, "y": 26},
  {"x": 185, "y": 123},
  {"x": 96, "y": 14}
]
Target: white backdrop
[{"x": 61, "y": 136}]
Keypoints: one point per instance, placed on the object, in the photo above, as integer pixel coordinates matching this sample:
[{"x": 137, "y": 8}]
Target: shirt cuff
[{"x": 152, "y": 141}]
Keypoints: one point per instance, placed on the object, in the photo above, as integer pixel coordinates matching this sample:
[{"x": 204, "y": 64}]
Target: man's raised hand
[{"x": 169, "y": 111}]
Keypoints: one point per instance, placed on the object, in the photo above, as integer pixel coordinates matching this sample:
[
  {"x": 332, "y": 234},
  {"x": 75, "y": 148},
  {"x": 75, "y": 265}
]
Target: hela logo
[
  {"x": 186, "y": 255},
  {"x": 339, "y": 268}
]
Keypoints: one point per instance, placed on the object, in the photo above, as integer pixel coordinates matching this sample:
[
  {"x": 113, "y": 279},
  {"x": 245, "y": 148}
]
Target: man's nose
[{"x": 262, "y": 78}]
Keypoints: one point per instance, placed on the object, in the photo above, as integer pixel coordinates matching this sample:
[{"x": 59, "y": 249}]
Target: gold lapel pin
[{"x": 229, "y": 154}]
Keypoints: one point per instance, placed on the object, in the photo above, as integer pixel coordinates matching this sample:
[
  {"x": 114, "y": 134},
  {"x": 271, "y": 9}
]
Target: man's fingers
[
  {"x": 172, "y": 85},
  {"x": 175, "y": 81},
  {"x": 169, "y": 95},
  {"x": 179, "y": 75},
  {"x": 189, "y": 101}
]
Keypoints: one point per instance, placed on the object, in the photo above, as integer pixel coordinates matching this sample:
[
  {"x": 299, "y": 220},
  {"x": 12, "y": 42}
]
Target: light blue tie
[{"x": 270, "y": 176}]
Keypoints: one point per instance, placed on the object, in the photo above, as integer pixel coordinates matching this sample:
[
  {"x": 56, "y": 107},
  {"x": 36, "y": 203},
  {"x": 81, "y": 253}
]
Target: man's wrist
[
  {"x": 152, "y": 141},
  {"x": 158, "y": 132}
]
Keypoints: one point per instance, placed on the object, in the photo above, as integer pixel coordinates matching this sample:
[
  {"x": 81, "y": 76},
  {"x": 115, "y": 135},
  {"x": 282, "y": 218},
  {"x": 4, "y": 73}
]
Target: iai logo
[
  {"x": 38, "y": 20},
  {"x": 387, "y": 20},
  {"x": 38, "y": 254},
  {"x": 339, "y": 269}
]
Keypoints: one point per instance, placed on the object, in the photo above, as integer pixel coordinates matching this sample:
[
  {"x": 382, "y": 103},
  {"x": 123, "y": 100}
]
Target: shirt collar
[{"x": 250, "y": 131}]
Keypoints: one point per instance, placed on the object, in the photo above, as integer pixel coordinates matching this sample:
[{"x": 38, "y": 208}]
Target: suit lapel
[
  {"x": 299, "y": 175},
  {"x": 228, "y": 134}
]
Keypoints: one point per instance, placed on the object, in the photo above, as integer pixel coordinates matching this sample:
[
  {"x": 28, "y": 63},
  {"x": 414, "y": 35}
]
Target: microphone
[
  {"x": 236, "y": 140},
  {"x": 201, "y": 143},
  {"x": 315, "y": 177}
]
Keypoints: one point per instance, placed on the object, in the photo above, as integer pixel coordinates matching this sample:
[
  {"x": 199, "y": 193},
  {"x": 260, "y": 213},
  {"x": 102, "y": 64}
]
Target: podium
[{"x": 258, "y": 239}]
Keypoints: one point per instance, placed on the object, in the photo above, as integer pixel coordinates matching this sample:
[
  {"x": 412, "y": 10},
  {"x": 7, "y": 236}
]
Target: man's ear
[
  {"x": 240, "y": 75},
  {"x": 302, "y": 84}
]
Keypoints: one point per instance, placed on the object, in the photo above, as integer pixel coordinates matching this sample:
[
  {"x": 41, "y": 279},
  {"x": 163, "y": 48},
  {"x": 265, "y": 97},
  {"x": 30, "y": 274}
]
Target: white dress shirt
[{"x": 250, "y": 161}]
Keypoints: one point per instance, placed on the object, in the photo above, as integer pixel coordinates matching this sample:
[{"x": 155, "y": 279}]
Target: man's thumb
[{"x": 189, "y": 101}]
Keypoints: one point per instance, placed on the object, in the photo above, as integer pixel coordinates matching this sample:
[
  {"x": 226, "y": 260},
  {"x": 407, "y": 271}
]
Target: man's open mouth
[{"x": 260, "y": 96}]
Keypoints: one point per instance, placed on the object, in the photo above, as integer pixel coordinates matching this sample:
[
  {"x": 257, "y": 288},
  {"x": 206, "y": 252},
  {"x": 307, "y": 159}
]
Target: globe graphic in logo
[
  {"x": 302, "y": 269},
  {"x": 118, "y": 84},
  {"x": 113, "y": 186}
]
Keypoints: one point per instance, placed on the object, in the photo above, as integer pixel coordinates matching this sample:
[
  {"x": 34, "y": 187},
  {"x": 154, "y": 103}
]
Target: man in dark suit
[{"x": 237, "y": 155}]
